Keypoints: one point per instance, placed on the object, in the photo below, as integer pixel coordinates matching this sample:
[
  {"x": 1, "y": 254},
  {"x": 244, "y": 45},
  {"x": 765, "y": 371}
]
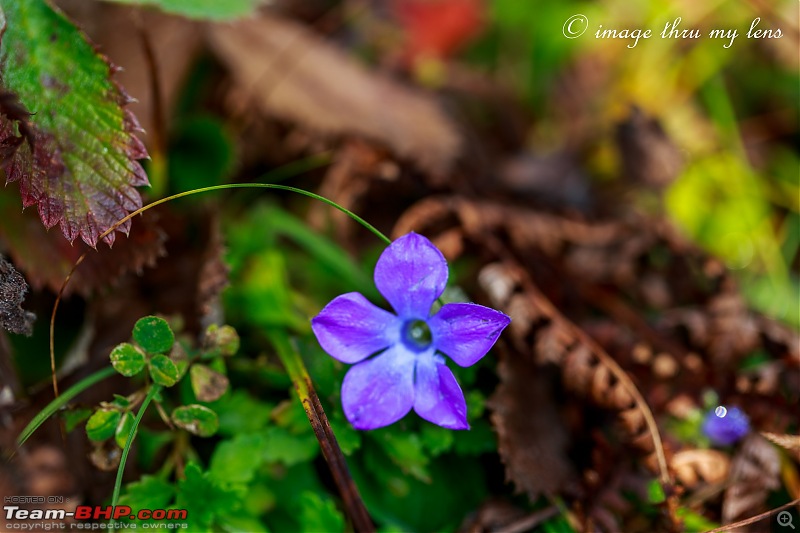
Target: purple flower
[
  {"x": 726, "y": 426},
  {"x": 407, "y": 371}
]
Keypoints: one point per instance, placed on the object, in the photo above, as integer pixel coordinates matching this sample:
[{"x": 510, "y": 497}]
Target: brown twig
[
  {"x": 754, "y": 519},
  {"x": 337, "y": 463}
]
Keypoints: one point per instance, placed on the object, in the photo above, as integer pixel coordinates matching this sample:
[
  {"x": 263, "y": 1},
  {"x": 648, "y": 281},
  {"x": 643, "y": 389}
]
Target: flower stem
[{"x": 296, "y": 369}]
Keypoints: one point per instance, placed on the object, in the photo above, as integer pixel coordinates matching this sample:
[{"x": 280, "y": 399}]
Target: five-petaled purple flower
[
  {"x": 726, "y": 426},
  {"x": 407, "y": 370}
]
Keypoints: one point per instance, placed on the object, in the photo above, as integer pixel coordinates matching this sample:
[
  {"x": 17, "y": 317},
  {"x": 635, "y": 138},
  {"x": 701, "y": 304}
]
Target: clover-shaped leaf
[
  {"x": 102, "y": 424},
  {"x": 221, "y": 340},
  {"x": 127, "y": 359},
  {"x": 64, "y": 126},
  {"x": 163, "y": 371},
  {"x": 196, "y": 419},
  {"x": 208, "y": 385},
  {"x": 153, "y": 334}
]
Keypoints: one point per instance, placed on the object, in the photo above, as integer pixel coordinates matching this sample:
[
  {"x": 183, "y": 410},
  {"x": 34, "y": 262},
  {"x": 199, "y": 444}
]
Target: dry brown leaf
[
  {"x": 12, "y": 293},
  {"x": 693, "y": 466},
  {"x": 649, "y": 156},
  {"x": 585, "y": 368},
  {"x": 175, "y": 42},
  {"x": 532, "y": 439},
  {"x": 295, "y": 75},
  {"x": 755, "y": 471},
  {"x": 791, "y": 443}
]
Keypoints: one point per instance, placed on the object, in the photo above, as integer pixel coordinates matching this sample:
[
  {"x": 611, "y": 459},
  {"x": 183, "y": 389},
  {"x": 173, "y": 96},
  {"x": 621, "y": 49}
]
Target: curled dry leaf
[
  {"x": 295, "y": 75},
  {"x": 755, "y": 472},
  {"x": 585, "y": 368},
  {"x": 694, "y": 466},
  {"x": 532, "y": 438},
  {"x": 12, "y": 293}
]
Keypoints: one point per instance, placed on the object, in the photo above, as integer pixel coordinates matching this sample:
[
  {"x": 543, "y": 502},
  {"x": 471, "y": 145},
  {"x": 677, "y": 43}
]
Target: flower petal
[
  {"x": 411, "y": 273},
  {"x": 438, "y": 397},
  {"x": 465, "y": 332},
  {"x": 350, "y": 328},
  {"x": 379, "y": 391}
]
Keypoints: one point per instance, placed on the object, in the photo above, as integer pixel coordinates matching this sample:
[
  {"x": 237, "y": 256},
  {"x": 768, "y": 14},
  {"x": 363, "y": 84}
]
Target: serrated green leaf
[
  {"x": 284, "y": 447},
  {"x": 196, "y": 419},
  {"x": 207, "y": 384},
  {"x": 71, "y": 139},
  {"x": 123, "y": 430},
  {"x": 150, "y": 492},
  {"x": 318, "y": 514},
  {"x": 127, "y": 359},
  {"x": 406, "y": 451},
  {"x": 436, "y": 439},
  {"x": 239, "y": 412},
  {"x": 153, "y": 334},
  {"x": 236, "y": 460},
  {"x": 102, "y": 424},
  {"x": 204, "y": 499},
  {"x": 163, "y": 371},
  {"x": 200, "y": 9}
]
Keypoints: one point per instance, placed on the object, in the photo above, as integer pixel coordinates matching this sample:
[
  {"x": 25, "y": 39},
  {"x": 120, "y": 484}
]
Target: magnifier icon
[{"x": 785, "y": 519}]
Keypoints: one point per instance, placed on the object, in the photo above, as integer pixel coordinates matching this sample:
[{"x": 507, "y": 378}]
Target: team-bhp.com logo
[{"x": 164, "y": 518}]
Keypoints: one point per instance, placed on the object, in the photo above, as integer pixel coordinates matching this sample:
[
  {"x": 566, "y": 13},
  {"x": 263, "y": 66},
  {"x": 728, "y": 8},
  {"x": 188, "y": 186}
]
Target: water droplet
[{"x": 721, "y": 411}]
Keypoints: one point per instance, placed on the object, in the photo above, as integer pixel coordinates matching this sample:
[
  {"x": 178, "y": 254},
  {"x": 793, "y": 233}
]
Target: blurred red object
[{"x": 436, "y": 29}]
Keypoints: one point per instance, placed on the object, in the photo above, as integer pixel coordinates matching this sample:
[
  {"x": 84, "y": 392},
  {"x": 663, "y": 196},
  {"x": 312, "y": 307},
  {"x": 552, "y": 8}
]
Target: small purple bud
[{"x": 726, "y": 426}]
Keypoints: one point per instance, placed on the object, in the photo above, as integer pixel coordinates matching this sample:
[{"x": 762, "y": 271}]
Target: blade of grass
[
  {"x": 62, "y": 400},
  {"x": 154, "y": 389},
  {"x": 290, "y": 358}
]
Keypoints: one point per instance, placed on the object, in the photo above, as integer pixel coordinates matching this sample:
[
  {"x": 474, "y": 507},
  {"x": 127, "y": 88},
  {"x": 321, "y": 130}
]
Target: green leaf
[
  {"x": 406, "y": 451},
  {"x": 239, "y": 412},
  {"x": 153, "y": 334},
  {"x": 207, "y": 384},
  {"x": 127, "y": 359},
  {"x": 655, "y": 492},
  {"x": 284, "y": 447},
  {"x": 196, "y": 419},
  {"x": 436, "y": 439},
  {"x": 163, "y": 371},
  {"x": 318, "y": 514},
  {"x": 150, "y": 492},
  {"x": 201, "y": 9},
  {"x": 123, "y": 430},
  {"x": 70, "y": 138},
  {"x": 102, "y": 424},
  {"x": 204, "y": 499},
  {"x": 119, "y": 401},
  {"x": 73, "y": 417},
  {"x": 236, "y": 460}
]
